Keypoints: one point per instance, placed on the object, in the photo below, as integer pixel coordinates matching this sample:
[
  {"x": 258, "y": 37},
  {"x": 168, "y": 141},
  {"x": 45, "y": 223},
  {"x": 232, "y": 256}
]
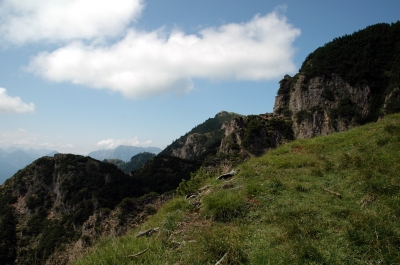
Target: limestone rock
[{"x": 321, "y": 105}]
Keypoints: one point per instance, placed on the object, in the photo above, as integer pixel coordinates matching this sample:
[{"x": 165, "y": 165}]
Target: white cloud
[
  {"x": 13, "y": 104},
  {"x": 70, "y": 146},
  {"x": 24, "y": 21},
  {"x": 113, "y": 143},
  {"x": 146, "y": 63},
  {"x": 24, "y": 139},
  {"x": 19, "y": 138}
]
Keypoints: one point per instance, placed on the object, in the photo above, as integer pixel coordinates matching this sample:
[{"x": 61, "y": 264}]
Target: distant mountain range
[
  {"x": 13, "y": 159},
  {"x": 122, "y": 152}
]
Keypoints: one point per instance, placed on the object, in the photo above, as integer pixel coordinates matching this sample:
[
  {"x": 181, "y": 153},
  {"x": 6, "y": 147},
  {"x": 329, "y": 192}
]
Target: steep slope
[
  {"x": 350, "y": 81},
  {"x": 231, "y": 138},
  {"x": 55, "y": 207},
  {"x": 164, "y": 173},
  {"x": 253, "y": 135},
  {"x": 53, "y": 200},
  {"x": 202, "y": 138},
  {"x": 327, "y": 200}
]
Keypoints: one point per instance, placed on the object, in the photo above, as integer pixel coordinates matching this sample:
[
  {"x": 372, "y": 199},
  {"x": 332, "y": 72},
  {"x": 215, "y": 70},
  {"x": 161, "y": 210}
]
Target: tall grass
[{"x": 284, "y": 208}]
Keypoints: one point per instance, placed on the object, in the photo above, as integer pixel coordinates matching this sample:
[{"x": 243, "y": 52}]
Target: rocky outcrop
[
  {"x": 232, "y": 137},
  {"x": 193, "y": 146},
  {"x": 255, "y": 134},
  {"x": 203, "y": 139},
  {"x": 392, "y": 102},
  {"x": 321, "y": 105}
]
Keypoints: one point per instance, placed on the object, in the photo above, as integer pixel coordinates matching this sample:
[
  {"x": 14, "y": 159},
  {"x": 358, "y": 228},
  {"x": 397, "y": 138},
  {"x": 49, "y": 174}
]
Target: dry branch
[
  {"x": 220, "y": 261},
  {"x": 147, "y": 232},
  {"x": 334, "y": 193},
  {"x": 190, "y": 196},
  {"x": 227, "y": 175},
  {"x": 203, "y": 188},
  {"x": 137, "y": 254}
]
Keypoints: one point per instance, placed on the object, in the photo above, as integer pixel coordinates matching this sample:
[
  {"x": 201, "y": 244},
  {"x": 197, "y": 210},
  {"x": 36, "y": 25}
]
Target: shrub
[
  {"x": 329, "y": 94},
  {"x": 301, "y": 116}
]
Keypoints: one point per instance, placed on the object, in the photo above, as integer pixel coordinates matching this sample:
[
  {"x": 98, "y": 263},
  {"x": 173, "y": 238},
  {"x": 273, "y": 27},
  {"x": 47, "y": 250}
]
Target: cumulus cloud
[
  {"x": 143, "y": 63},
  {"x": 146, "y": 63},
  {"x": 113, "y": 143},
  {"x": 30, "y": 21},
  {"x": 13, "y": 104}
]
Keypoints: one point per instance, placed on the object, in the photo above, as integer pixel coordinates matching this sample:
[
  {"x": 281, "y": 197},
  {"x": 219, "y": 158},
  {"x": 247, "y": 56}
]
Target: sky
[{"x": 82, "y": 75}]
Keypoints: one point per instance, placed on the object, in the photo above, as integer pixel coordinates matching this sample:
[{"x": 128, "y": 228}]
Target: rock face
[
  {"x": 321, "y": 105},
  {"x": 234, "y": 138},
  {"x": 193, "y": 146},
  {"x": 392, "y": 101},
  {"x": 349, "y": 81},
  {"x": 255, "y": 134},
  {"x": 205, "y": 138}
]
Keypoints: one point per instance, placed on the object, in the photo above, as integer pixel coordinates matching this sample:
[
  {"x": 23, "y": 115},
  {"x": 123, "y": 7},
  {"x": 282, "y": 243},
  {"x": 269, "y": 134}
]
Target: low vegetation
[{"x": 326, "y": 200}]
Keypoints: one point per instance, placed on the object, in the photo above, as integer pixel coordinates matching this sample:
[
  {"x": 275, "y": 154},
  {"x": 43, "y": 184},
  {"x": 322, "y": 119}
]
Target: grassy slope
[{"x": 276, "y": 211}]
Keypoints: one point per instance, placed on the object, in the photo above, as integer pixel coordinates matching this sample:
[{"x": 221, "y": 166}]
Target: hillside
[
  {"x": 327, "y": 200},
  {"x": 49, "y": 208}
]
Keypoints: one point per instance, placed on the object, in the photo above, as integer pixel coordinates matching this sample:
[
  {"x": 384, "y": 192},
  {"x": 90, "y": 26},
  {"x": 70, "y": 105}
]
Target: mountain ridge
[{"x": 122, "y": 152}]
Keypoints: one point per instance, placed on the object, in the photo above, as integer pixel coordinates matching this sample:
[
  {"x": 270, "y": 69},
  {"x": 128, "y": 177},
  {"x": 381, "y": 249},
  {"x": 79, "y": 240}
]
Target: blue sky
[{"x": 82, "y": 75}]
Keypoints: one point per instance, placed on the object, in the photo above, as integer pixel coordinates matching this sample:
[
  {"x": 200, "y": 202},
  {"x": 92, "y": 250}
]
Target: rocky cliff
[
  {"x": 348, "y": 82},
  {"x": 201, "y": 140},
  {"x": 253, "y": 135},
  {"x": 232, "y": 138},
  {"x": 321, "y": 105}
]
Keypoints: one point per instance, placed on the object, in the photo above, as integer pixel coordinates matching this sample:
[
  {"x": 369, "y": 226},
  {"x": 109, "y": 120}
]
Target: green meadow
[{"x": 326, "y": 200}]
